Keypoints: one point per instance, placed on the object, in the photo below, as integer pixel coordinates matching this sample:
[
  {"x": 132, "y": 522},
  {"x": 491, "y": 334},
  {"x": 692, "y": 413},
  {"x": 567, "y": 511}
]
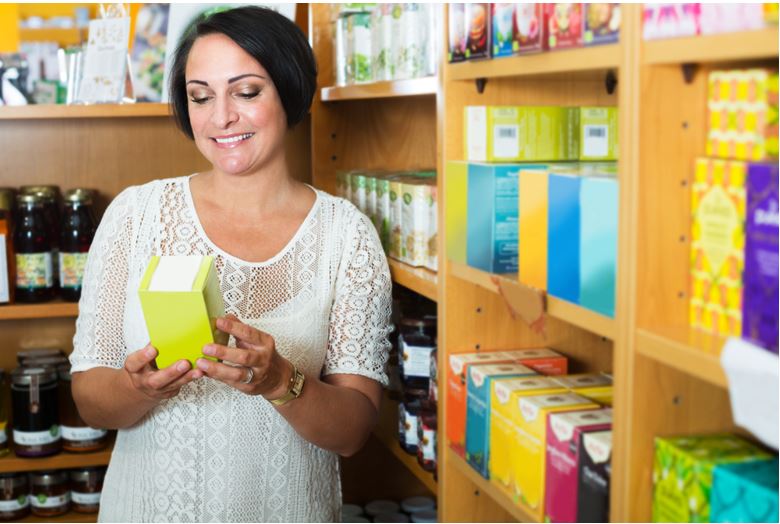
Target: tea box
[
  {"x": 745, "y": 492},
  {"x": 595, "y": 470},
  {"x": 478, "y": 26},
  {"x": 602, "y": 24},
  {"x": 598, "y": 243},
  {"x": 565, "y": 25},
  {"x": 670, "y": 20},
  {"x": 532, "y": 227}
]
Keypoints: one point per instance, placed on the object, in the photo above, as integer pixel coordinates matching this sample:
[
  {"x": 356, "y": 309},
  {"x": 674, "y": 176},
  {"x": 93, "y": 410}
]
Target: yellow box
[
  {"x": 532, "y": 228},
  {"x": 455, "y": 212},
  {"x": 503, "y": 420},
  {"x": 529, "y": 459},
  {"x": 593, "y": 386},
  {"x": 181, "y": 300}
]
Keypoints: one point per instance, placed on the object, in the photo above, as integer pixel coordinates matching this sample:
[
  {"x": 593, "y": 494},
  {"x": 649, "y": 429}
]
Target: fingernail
[
  {"x": 209, "y": 350},
  {"x": 150, "y": 352},
  {"x": 202, "y": 364},
  {"x": 183, "y": 366}
]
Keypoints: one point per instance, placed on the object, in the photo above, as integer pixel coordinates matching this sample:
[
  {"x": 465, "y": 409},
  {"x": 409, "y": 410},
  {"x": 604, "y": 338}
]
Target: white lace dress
[{"x": 214, "y": 454}]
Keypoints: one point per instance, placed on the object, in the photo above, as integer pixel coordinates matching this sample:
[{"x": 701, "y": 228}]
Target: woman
[{"x": 305, "y": 283}]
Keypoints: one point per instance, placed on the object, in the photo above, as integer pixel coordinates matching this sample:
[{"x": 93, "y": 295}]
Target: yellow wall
[{"x": 9, "y": 28}]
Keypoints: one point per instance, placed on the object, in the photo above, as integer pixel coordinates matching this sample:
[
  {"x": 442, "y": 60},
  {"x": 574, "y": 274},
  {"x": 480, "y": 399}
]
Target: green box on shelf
[
  {"x": 598, "y": 133},
  {"x": 683, "y": 471}
]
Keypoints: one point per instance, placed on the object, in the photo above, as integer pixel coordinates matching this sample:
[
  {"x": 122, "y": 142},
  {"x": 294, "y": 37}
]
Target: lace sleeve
[
  {"x": 360, "y": 315},
  {"x": 99, "y": 339}
]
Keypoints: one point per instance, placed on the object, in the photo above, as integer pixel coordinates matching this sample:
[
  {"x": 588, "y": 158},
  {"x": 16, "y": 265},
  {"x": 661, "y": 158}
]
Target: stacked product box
[
  {"x": 565, "y": 25},
  {"x": 418, "y": 221},
  {"x": 595, "y": 468},
  {"x": 594, "y": 386},
  {"x": 683, "y": 473},
  {"x": 563, "y": 234},
  {"x": 601, "y": 24},
  {"x": 456, "y": 210},
  {"x": 564, "y": 460},
  {"x": 745, "y": 492},
  {"x": 533, "y": 199},
  {"x": 478, "y": 414}
]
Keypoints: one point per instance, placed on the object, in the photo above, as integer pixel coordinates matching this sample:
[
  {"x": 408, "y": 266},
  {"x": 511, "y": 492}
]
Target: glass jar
[
  {"x": 426, "y": 438},
  {"x": 433, "y": 383},
  {"x": 7, "y": 199},
  {"x": 4, "y": 449},
  {"x": 408, "y": 415},
  {"x": 77, "y": 436},
  {"x": 14, "y": 502},
  {"x": 43, "y": 362},
  {"x": 416, "y": 340},
  {"x": 86, "y": 484},
  {"x": 34, "y": 255},
  {"x": 78, "y": 230},
  {"x": 49, "y": 493},
  {"x": 21, "y": 356},
  {"x": 50, "y": 196},
  {"x": 35, "y": 412}
]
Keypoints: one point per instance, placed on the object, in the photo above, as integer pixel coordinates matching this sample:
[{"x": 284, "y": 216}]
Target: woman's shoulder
[{"x": 341, "y": 213}]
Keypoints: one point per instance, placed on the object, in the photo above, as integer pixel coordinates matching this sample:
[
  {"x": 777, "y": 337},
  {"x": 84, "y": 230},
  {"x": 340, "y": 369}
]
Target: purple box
[{"x": 759, "y": 292}]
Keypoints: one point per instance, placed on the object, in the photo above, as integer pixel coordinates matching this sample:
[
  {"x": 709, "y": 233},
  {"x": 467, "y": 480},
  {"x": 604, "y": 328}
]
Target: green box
[
  {"x": 181, "y": 318},
  {"x": 521, "y": 133},
  {"x": 598, "y": 133},
  {"x": 456, "y": 211},
  {"x": 683, "y": 470}
]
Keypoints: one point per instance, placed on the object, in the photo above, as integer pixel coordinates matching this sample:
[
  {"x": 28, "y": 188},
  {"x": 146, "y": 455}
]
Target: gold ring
[{"x": 249, "y": 376}]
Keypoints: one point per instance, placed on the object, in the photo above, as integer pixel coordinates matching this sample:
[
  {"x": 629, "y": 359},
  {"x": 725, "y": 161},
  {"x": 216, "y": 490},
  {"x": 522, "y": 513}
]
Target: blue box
[
  {"x": 478, "y": 388},
  {"x": 598, "y": 243},
  {"x": 563, "y": 235},
  {"x": 492, "y": 237},
  {"x": 503, "y": 30},
  {"x": 745, "y": 492}
]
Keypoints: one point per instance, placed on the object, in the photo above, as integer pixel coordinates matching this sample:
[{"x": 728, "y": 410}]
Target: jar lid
[
  {"x": 40, "y": 352},
  {"x": 94, "y": 474},
  {"x": 40, "y": 362},
  {"x": 426, "y": 515},
  {"x": 13, "y": 479},
  {"x": 28, "y": 198},
  {"x": 80, "y": 195},
  {"x": 7, "y": 196},
  {"x": 391, "y": 517},
  {"x": 377, "y": 507},
  {"x": 425, "y": 322},
  {"x": 351, "y": 509},
  {"x": 414, "y": 504},
  {"x": 46, "y": 192},
  {"x": 48, "y": 478},
  {"x": 24, "y": 376}
]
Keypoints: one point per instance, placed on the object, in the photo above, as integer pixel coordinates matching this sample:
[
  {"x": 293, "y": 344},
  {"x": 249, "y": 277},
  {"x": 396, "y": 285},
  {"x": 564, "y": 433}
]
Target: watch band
[{"x": 294, "y": 390}]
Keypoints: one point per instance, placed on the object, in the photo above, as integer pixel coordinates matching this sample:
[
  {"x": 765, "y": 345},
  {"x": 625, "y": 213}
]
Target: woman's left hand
[{"x": 259, "y": 369}]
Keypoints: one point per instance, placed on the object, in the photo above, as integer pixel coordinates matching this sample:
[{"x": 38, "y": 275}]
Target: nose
[{"x": 224, "y": 114}]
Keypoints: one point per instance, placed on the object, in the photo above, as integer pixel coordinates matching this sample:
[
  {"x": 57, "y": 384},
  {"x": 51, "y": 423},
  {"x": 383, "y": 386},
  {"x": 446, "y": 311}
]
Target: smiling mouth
[{"x": 233, "y": 139}]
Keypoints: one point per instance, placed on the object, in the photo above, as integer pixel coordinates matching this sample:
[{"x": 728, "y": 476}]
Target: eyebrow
[{"x": 230, "y": 80}]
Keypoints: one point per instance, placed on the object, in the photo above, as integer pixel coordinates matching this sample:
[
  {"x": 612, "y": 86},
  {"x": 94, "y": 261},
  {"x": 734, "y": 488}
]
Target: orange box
[{"x": 542, "y": 360}]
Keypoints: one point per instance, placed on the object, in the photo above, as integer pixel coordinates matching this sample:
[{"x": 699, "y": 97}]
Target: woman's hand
[
  {"x": 158, "y": 384},
  {"x": 258, "y": 369}
]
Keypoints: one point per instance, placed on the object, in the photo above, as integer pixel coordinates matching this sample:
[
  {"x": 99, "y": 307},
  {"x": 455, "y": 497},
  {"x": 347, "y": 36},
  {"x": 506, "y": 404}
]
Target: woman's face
[{"x": 237, "y": 118}]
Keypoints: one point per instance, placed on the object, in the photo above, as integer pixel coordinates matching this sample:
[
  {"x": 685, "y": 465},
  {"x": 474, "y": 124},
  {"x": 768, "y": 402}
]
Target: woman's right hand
[{"x": 158, "y": 384}]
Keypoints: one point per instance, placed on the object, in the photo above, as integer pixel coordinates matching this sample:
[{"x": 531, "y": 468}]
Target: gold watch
[{"x": 294, "y": 390}]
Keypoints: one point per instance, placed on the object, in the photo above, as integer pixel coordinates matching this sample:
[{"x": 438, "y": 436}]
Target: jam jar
[
  {"x": 86, "y": 485},
  {"x": 77, "y": 436},
  {"x": 426, "y": 438},
  {"x": 49, "y": 493},
  {"x": 416, "y": 341},
  {"x": 35, "y": 412},
  {"x": 408, "y": 418},
  {"x": 35, "y": 277},
  {"x": 29, "y": 354},
  {"x": 77, "y": 232},
  {"x": 14, "y": 502}
]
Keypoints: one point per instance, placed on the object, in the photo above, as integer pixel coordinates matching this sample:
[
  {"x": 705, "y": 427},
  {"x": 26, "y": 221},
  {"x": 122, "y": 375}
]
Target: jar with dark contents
[
  {"x": 408, "y": 415},
  {"x": 35, "y": 276},
  {"x": 86, "y": 484},
  {"x": 49, "y": 493},
  {"x": 35, "y": 412},
  {"x": 77, "y": 436},
  {"x": 433, "y": 383},
  {"x": 29, "y": 354},
  {"x": 14, "y": 502},
  {"x": 77, "y": 232},
  {"x": 426, "y": 438},
  {"x": 416, "y": 341},
  {"x": 4, "y": 449}
]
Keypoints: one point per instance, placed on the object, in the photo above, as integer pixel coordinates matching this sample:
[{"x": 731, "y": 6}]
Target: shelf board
[
  {"x": 747, "y": 45},
  {"x": 419, "y": 280},
  {"x": 388, "y": 89},
  {"x": 55, "y": 309},
  {"x": 386, "y": 432},
  {"x": 71, "y": 516},
  {"x": 688, "y": 350},
  {"x": 57, "y": 111},
  {"x": 582, "y": 60},
  {"x": 555, "y": 307},
  {"x": 62, "y": 460},
  {"x": 494, "y": 491}
]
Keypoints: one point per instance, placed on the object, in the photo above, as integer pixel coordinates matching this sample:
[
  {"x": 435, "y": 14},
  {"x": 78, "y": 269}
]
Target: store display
[
  {"x": 671, "y": 20},
  {"x": 532, "y": 227},
  {"x": 598, "y": 134},
  {"x": 34, "y": 253},
  {"x": 595, "y": 470},
  {"x": 14, "y": 499},
  {"x": 531, "y": 28},
  {"x": 563, "y": 234},
  {"x": 745, "y": 492},
  {"x": 86, "y": 486},
  {"x": 77, "y": 231},
  {"x": 601, "y": 24},
  {"x": 36, "y": 430},
  {"x": 565, "y": 432},
  {"x": 683, "y": 470},
  {"x": 49, "y": 493},
  {"x": 478, "y": 27},
  {"x": 760, "y": 281},
  {"x": 565, "y": 23},
  {"x": 77, "y": 435}
]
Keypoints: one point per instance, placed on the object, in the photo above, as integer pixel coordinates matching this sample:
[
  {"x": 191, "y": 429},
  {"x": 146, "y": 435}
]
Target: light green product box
[
  {"x": 359, "y": 35},
  {"x": 683, "y": 469},
  {"x": 456, "y": 210},
  {"x": 386, "y": 21},
  {"x": 521, "y": 133},
  {"x": 433, "y": 229},
  {"x": 181, "y": 300},
  {"x": 396, "y": 216},
  {"x": 417, "y": 200},
  {"x": 383, "y": 210},
  {"x": 49, "y": 92},
  {"x": 358, "y": 184},
  {"x": 598, "y": 133},
  {"x": 413, "y": 40},
  {"x": 371, "y": 197}
]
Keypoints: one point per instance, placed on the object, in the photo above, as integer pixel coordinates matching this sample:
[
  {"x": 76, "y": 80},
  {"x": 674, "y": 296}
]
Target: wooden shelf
[
  {"x": 56, "y": 111},
  {"x": 388, "y": 89},
  {"x": 555, "y": 307},
  {"x": 64, "y": 460},
  {"x": 494, "y": 491},
  {"x": 63, "y": 36},
  {"x": 582, "y": 60},
  {"x": 71, "y": 516},
  {"x": 419, "y": 280},
  {"x": 55, "y": 309},
  {"x": 386, "y": 432},
  {"x": 746, "y": 45},
  {"x": 688, "y": 350}
]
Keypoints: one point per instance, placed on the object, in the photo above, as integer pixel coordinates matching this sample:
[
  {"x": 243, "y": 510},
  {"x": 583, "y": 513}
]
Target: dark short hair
[{"x": 271, "y": 39}]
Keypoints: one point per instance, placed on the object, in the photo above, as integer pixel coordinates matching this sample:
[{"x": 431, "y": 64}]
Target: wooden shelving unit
[
  {"x": 63, "y": 460},
  {"x": 387, "y": 89},
  {"x": 419, "y": 280},
  {"x": 61, "y": 111},
  {"x": 749, "y": 45},
  {"x": 56, "y": 309}
]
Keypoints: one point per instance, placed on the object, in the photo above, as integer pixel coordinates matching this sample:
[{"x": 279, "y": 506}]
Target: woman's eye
[
  {"x": 249, "y": 95},
  {"x": 199, "y": 100}
]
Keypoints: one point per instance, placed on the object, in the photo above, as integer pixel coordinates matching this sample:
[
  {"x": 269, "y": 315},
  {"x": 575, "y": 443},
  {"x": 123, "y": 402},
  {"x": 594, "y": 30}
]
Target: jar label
[
  {"x": 88, "y": 499},
  {"x": 428, "y": 444},
  {"x": 410, "y": 429},
  {"x": 49, "y": 501},
  {"x": 417, "y": 360},
  {"x": 37, "y": 438},
  {"x": 72, "y": 269},
  {"x": 34, "y": 270},
  {"x": 3, "y": 433},
  {"x": 16, "y": 504},
  {"x": 83, "y": 433}
]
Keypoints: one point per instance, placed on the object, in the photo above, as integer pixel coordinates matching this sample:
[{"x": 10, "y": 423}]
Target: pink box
[
  {"x": 565, "y": 25},
  {"x": 730, "y": 18},
  {"x": 670, "y": 20},
  {"x": 564, "y": 431}
]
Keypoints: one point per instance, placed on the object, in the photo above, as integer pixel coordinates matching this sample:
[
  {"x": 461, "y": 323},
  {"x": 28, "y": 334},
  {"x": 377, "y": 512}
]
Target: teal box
[
  {"x": 491, "y": 229},
  {"x": 745, "y": 492},
  {"x": 478, "y": 386},
  {"x": 563, "y": 234},
  {"x": 598, "y": 242}
]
